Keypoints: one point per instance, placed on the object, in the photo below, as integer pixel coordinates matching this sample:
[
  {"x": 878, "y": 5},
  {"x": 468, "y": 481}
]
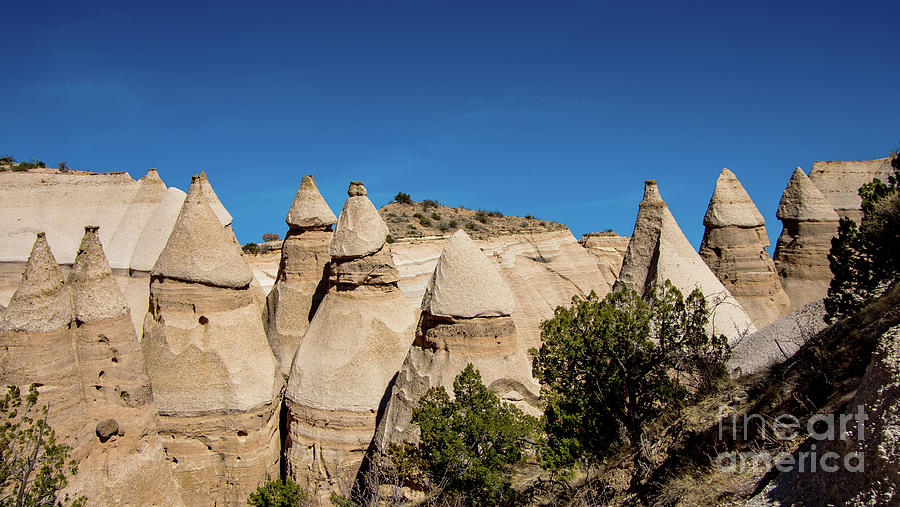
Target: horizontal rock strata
[
  {"x": 215, "y": 379},
  {"x": 456, "y": 329},
  {"x": 302, "y": 279},
  {"x": 801, "y": 253},
  {"x": 734, "y": 247},
  {"x": 351, "y": 351}
]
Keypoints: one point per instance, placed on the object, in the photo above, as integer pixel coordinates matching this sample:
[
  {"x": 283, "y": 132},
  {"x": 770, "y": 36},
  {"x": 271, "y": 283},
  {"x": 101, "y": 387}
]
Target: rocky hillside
[{"x": 416, "y": 219}]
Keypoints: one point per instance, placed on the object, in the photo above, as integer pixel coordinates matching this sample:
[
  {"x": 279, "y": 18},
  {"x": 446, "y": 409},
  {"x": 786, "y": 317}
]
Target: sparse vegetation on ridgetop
[
  {"x": 8, "y": 163},
  {"x": 411, "y": 219}
]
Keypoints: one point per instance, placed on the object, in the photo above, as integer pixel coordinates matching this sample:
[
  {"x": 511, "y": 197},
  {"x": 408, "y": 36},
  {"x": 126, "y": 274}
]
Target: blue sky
[{"x": 559, "y": 110}]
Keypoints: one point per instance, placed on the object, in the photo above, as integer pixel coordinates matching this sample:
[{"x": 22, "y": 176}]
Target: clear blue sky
[{"x": 559, "y": 110}]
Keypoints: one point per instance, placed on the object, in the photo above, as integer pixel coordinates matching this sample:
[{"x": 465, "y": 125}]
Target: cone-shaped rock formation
[
  {"x": 480, "y": 332},
  {"x": 95, "y": 294},
  {"x": 734, "y": 247},
  {"x": 213, "y": 200},
  {"x": 302, "y": 281},
  {"x": 36, "y": 343},
  {"x": 90, "y": 369},
  {"x": 659, "y": 251},
  {"x": 150, "y": 193},
  {"x": 355, "y": 344},
  {"x": 115, "y": 385},
  {"x": 43, "y": 302},
  {"x": 215, "y": 380},
  {"x": 199, "y": 249},
  {"x": 360, "y": 230},
  {"x": 466, "y": 284},
  {"x": 801, "y": 254}
]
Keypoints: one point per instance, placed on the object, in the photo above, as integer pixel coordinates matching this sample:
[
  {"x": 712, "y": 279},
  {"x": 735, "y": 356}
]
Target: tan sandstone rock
[
  {"x": 353, "y": 348},
  {"x": 150, "y": 193},
  {"x": 309, "y": 208},
  {"x": 801, "y": 253},
  {"x": 734, "y": 247},
  {"x": 609, "y": 249},
  {"x": 659, "y": 251},
  {"x": 302, "y": 280},
  {"x": 199, "y": 249},
  {"x": 90, "y": 370},
  {"x": 360, "y": 230},
  {"x": 129, "y": 467},
  {"x": 36, "y": 343},
  {"x": 469, "y": 330},
  {"x": 465, "y": 283},
  {"x": 860, "y": 445},
  {"x": 215, "y": 379},
  {"x": 839, "y": 182},
  {"x": 42, "y": 302},
  {"x": 543, "y": 270},
  {"x": 94, "y": 291},
  {"x": 213, "y": 200}
]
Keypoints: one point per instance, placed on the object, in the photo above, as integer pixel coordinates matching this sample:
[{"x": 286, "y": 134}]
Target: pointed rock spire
[
  {"x": 200, "y": 249},
  {"x": 43, "y": 301},
  {"x": 801, "y": 253},
  {"x": 803, "y": 201},
  {"x": 360, "y": 230},
  {"x": 730, "y": 205},
  {"x": 213, "y": 200},
  {"x": 152, "y": 176},
  {"x": 309, "y": 208},
  {"x": 466, "y": 284},
  {"x": 734, "y": 249},
  {"x": 659, "y": 251},
  {"x": 95, "y": 293},
  {"x": 651, "y": 194}
]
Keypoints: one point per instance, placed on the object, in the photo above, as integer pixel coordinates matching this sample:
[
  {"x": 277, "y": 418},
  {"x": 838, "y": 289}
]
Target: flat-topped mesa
[
  {"x": 734, "y": 247},
  {"x": 200, "y": 249},
  {"x": 302, "y": 280},
  {"x": 354, "y": 346},
  {"x": 43, "y": 301},
  {"x": 465, "y": 319},
  {"x": 215, "y": 379},
  {"x": 839, "y": 182},
  {"x": 659, "y": 251},
  {"x": 801, "y": 253},
  {"x": 95, "y": 293}
]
